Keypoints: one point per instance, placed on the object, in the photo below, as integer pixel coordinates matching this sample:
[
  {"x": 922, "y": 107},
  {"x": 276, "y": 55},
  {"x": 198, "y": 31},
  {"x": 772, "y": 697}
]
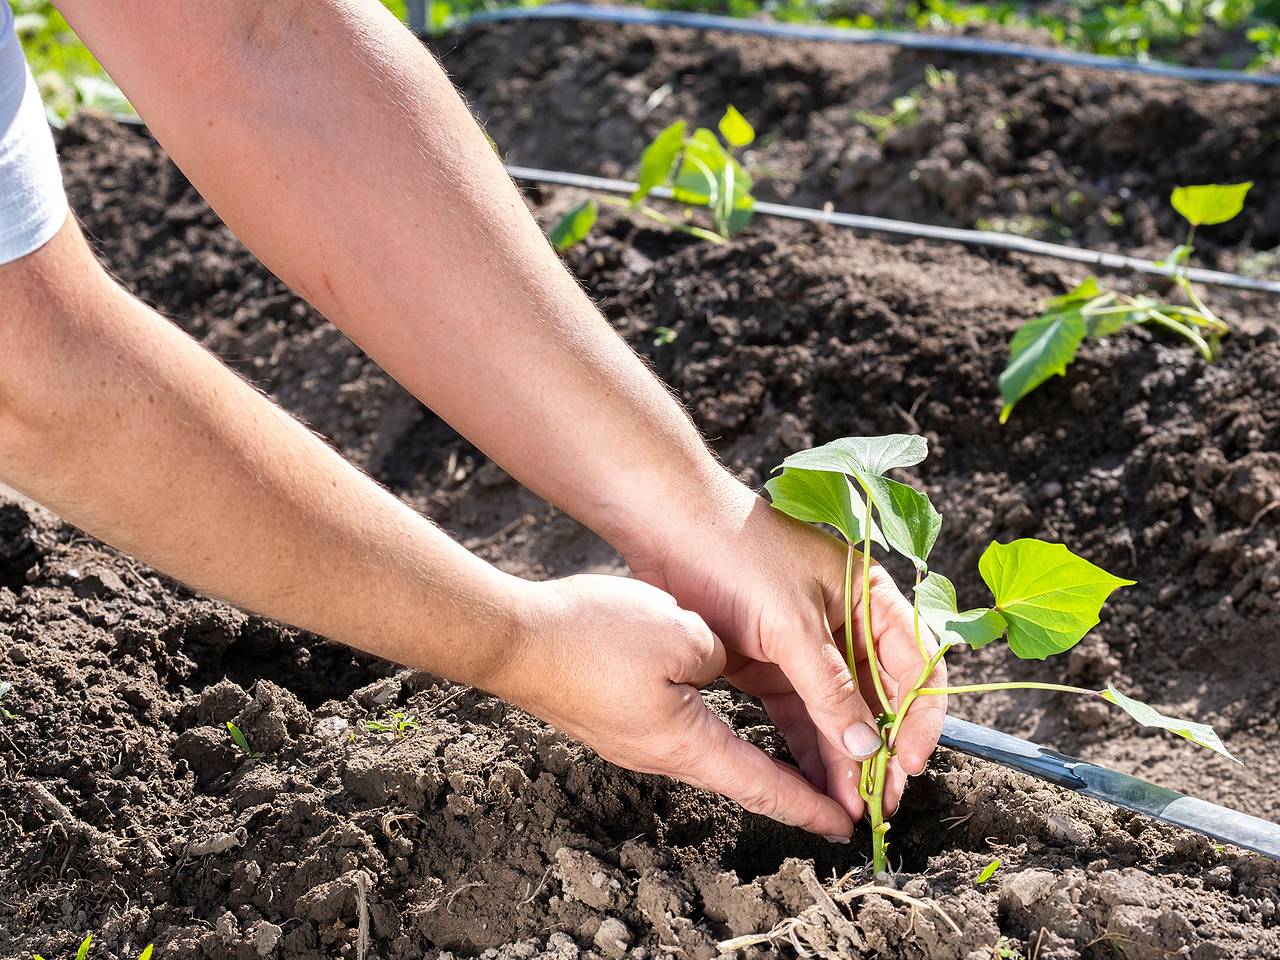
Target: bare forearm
[
  {"x": 333, "y": 144},
  {"x": 127, "y": 428}
]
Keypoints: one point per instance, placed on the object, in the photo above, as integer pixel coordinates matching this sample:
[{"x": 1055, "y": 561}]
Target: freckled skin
[{"x": 437, "y": 270}]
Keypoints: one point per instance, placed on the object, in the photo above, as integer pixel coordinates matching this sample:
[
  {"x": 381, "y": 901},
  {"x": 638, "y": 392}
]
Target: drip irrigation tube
[
  {"x": 977, "y": 238},
  {"x": 970, "y": 46},
  {"x": 857, "y": 221}
]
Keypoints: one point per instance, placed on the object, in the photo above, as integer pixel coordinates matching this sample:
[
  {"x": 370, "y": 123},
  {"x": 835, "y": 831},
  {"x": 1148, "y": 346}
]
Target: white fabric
[{"x": 32, "y": 203}]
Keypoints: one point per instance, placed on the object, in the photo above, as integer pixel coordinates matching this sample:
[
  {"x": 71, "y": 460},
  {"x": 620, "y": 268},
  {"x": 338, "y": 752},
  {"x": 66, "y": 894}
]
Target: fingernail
[
  {"x": 834, "y": 839},
  {"x": 862, "y": 741}
]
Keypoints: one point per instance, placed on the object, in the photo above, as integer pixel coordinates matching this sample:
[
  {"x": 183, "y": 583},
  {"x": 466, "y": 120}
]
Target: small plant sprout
[
  {"x": 398, "y": 723},
  {"x": 988, "y": 872},
  {"x": 1046, "y": 346},
  {"x": 83, "y": 952},
  {"x": 663, "y": 336},
  {"x": 241, "y": 741},
  {"x": 700, "y": 171},
  {"x": 905, "y": 110},
  {"x": 1045, "y": 598},
  {"x": 5, "y": 689}
]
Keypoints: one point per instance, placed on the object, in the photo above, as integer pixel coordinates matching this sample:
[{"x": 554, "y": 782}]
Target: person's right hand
[{"x": 617, "y": 664}]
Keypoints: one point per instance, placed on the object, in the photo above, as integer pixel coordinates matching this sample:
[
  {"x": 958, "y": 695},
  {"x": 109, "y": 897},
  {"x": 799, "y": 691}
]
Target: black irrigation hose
[
  {"x": 857, "y": 221},
  {"x": 970, "y": 46},
  {"x": 976, "y": 238}
]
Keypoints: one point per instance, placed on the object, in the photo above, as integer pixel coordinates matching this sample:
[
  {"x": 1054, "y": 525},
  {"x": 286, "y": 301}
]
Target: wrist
[{"x": 710, "y": 504}]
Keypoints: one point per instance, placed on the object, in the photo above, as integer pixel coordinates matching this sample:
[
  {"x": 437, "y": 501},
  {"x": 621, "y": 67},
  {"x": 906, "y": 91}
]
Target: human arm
[
  {"x": 332, "y": 143},
  {"x": 123, "y": 425}
]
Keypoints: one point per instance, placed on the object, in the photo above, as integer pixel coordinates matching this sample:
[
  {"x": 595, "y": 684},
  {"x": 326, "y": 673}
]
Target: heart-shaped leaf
[
  {"x": 1049, "y": 597},
  {"x": 1039, "y": 350},
  {"x": 817, "y": 496},
  {"x": 735, "y": 129},
  {"x": 657, "y": 160},
  {"x": 936, "y": 599},
  {"x": 1200, "y": 734},
  {"x": 869, "y": 456},
  {"x": 1210, "y": 203},
  {"x": 907, "y": 518},
  {"x": 574, "y": 225}
]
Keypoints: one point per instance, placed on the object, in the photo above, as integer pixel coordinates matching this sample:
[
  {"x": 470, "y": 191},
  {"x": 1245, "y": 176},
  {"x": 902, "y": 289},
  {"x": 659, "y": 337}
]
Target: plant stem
[
  {"x": 915, "y": 618},
  {"x": 875, "y": 806},
  {"x": 1010, "y": 685},
  {"x": 850, "y": 654},
  {"x": 873, "y": 662},
  {"x": 660, "y": 217},
  {"x": 916, "y": 690}
]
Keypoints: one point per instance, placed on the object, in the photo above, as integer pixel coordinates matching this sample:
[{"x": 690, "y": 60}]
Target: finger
[
  {"x": 819, "y": 675},
  {"x": 843, "y": 775},
  {"x": 791, "y": 718},
  {"x": 702, "y": 656},
  {"x": 717, "y": 760},
  {"x": 895, "y": 782}
]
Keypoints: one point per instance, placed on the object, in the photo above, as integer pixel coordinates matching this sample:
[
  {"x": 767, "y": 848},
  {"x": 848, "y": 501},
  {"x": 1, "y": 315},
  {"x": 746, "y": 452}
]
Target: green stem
[
  {"x": 659, "y": 217},
  {"x": 915, "y": 618},
  {"x": 1011, "y": 685},
  {"x": 873, "y": 662},
  {"x": 850, "y": 655},
  {"x": 916, "y": 690},
  {"x": 875, "y": 807}
]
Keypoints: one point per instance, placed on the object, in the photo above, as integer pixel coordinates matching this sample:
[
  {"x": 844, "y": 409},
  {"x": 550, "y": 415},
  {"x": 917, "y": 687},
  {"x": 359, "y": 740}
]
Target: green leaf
[
  {"x": 988, "y": 872},
  {"x": 1049, "y": 597},
  {"x": 817, "y": 496},
  {"x": 700, "y": 170},
  {"x": 84, "y": 947},
  {"x": 1200, "y": 734},
  {"x": 735, "y": 129},
  {"x": 574, "y": 225},
  {"x": 936, "y": 598},
  {"x": 240, "y": 740},
  {"x": 1210, "y": 203},
  {"x": 146, "y": 954},
  {"x": 1039, "y": 350},
  {"x": 657, "y": 160},
  {"x": 872, "y": 456},
  {"x": 907, "y": 518},
  {"x": 1084, "y": 291}
]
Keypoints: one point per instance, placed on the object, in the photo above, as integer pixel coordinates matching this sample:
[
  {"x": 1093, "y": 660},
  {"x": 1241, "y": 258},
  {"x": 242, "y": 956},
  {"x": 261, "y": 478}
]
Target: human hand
[
  {"x": 617, "y": 664},
  {"x": 772, "y": 589}
]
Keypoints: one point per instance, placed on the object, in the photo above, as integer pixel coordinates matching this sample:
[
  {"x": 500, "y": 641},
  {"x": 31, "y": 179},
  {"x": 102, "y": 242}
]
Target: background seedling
[
  {"x": 241, "y": 741},
  {"x": 5, "y": 688},
  {"x": 1045, "y": 598},
  {"x": 905, "y": 111},
  {"x": 398, "y": 723},
  {"x": 1046, "y": 346},
  {"x": 699, "y": 169},
  {"x": 988, "y": 872},
  {"x": 87, "y": 942}
]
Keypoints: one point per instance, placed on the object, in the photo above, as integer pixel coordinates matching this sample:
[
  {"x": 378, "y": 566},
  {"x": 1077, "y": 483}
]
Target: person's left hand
[{"x": 773, "y": 590}]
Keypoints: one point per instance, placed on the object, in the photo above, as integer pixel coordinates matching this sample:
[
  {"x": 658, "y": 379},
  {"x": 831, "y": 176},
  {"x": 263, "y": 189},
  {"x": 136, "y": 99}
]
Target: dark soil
[
  {"x": 127, "y": 811},
  {"x": 1080, "y": 156}
]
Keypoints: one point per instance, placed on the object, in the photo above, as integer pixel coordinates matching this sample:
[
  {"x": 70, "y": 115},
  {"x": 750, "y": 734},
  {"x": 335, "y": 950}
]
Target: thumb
[
  {"x": 717, "y": 760},
  {"x": 819, "y": 674}
]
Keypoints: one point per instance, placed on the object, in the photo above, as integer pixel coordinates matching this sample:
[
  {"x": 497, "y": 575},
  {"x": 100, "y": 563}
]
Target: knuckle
[{"x": 759, "y": 799}]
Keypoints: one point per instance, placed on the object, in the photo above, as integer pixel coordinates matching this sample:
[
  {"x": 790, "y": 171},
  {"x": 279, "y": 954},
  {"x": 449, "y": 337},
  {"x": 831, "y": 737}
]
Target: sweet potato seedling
[
  {"x": 1046, "y": 346},
  {"x": 241, "y": 741},
  {"x": 83, "y": 952},
  {"x": 1045, "y": 598},
  {"x": 699, "y": 169}
]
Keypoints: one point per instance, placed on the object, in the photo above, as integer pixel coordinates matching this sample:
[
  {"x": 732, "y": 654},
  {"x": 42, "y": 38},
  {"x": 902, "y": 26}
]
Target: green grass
[{"x": 71, "y": 79}]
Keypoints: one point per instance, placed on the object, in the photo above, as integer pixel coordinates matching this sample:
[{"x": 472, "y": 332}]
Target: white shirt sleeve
[{"x": 32, "y": 203}]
